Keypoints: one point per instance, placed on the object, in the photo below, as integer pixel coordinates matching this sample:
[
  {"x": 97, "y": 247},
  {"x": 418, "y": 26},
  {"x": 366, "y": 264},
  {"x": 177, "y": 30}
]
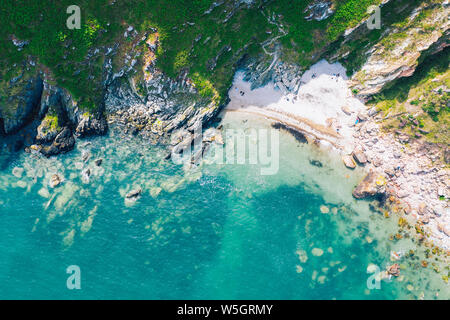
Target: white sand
[{"x": 316, "y": 108}]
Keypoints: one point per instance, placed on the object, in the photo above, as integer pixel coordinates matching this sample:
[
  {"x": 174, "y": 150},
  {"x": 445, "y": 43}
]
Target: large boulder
[
  {"x": 373, "y": 185},
  {"x": 90, "y": 125}
]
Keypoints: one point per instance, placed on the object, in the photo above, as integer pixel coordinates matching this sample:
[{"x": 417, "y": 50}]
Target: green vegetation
[{"x": 52, "y": 122}]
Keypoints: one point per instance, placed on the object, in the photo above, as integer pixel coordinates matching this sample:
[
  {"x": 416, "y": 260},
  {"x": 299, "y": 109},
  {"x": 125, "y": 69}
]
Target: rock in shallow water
[
  {"x": 55, "y": 181},
  {"x": 317, "y": 252},
  {"x": 43, "y": 192},
  {"x": 374, "y": 184}
]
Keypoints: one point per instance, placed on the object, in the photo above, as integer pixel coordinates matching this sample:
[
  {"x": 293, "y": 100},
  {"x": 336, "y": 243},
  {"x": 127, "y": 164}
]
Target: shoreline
[{"x": 415, "y": 180}]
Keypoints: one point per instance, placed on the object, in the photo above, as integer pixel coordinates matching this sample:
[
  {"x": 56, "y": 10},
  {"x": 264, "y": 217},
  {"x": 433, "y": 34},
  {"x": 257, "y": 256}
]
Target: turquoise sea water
[{"x": 218, "y": 232}]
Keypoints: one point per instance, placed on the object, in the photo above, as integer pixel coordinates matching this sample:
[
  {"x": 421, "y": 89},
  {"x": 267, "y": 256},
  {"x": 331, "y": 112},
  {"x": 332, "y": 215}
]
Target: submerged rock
[
  {"x": 374, "y": 184},
  {"x": 316, "y": 163},
  {"x": 21, "y": 184},
  {"x": 43, "y": 192},
  {"x": 154, "y": 192},
  {"x": 299, "y": 136}
]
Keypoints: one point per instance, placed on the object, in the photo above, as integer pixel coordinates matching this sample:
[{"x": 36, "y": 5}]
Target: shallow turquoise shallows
[{"x": 218, "y": 232}]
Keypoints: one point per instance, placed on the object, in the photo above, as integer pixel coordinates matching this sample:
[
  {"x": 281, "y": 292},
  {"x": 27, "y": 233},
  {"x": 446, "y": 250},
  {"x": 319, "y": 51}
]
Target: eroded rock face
[
  {"x": 349, "y": 162},
  {"x": 447, "y": 155},
  {"x": 397, "y": 55},
  {"x": 374, "y": 184}
]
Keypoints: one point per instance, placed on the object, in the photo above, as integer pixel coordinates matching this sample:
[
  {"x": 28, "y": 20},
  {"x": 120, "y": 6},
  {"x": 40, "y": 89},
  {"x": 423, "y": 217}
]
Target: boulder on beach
[
  {"x": 374, "y": 184},
  {"x": 349, "y": 162},
  {"x": 133, "y": 194}
]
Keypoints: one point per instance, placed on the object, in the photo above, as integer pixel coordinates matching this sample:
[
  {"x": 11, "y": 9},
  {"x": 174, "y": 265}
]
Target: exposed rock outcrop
[
  {"x": 319, "y": 10},
  {"x": 359, "y": 156},
  {"x": 374, "y": 184},
  {"x": 63, "y": 142}
]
